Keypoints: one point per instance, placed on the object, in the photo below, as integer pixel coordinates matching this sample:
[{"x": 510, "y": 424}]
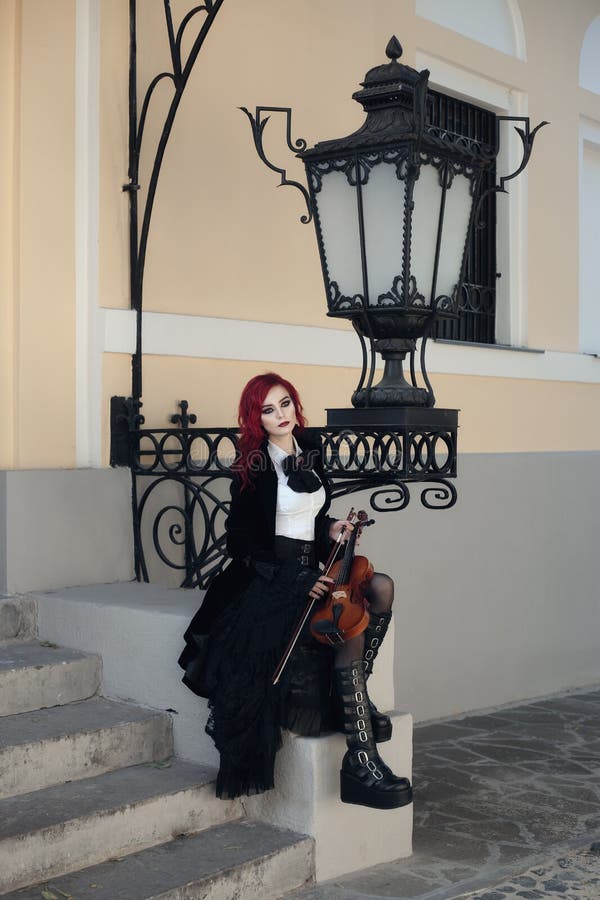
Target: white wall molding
[
  {"x": 496, "y": 23},
  {"x": 203, "y": 337},
  {"x": 88, "y": 351},
  {"x": 589, "y": 74},
  {"x": 518, "y": 29},
  {"x": 589, "y": 222}
]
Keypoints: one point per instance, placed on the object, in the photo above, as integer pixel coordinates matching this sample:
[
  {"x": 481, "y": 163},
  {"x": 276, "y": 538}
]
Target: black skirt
[{"x": 246, "y": 643}]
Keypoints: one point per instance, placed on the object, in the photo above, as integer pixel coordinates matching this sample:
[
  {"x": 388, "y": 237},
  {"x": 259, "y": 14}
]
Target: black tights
[{"x": 380, "y": 597}]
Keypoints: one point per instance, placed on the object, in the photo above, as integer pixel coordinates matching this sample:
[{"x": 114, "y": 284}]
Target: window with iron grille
[{"x": 477, "y": 305}]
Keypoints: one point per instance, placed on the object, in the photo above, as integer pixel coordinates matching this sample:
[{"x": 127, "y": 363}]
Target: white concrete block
[
  {"x": 137, "y": 629},
  {"x": 306, "y": 799}
]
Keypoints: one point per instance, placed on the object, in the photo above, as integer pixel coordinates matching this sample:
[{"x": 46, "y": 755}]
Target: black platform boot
[
  {"x": 374, "y": 635},
  {"x": 364, "y": 777}
]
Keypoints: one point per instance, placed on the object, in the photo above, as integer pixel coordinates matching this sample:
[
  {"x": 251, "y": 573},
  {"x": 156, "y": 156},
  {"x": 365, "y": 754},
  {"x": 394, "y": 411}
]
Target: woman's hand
[
  {"x": 321, "y": 587},
  {"x": 336, "y": 527}
]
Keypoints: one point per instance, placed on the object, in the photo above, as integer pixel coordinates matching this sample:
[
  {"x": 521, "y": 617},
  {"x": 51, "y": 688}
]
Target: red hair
[{"x": 249, "y": 419}]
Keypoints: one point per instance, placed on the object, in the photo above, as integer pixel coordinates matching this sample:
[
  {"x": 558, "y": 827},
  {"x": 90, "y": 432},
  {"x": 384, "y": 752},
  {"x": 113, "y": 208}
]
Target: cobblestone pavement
[
  {"x": 496, "y": 795},
  {"x": 574, "y": 876}
]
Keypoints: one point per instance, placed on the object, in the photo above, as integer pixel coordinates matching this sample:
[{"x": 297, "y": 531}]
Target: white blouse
[{"x": 295, "y": 512}]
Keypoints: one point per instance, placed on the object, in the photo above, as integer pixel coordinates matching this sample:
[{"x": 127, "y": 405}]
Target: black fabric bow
[{"x": 300, "y": 477}]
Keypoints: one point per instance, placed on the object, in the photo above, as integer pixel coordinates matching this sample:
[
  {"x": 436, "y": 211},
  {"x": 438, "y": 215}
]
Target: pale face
[{"x": 279, "y": 416}]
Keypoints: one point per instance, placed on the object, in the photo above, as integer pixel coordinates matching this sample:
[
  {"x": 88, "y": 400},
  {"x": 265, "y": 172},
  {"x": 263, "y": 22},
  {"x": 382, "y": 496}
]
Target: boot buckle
[{"x": 373, "y": 768}]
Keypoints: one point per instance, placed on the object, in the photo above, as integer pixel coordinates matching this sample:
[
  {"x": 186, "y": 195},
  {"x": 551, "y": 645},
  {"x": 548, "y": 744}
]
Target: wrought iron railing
[{"x": 181, "y": 477}]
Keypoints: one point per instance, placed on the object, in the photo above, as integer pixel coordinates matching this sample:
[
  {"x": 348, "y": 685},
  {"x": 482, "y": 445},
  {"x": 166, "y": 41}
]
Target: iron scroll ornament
[
  {"x": 258, "y": 125},
  {"x": 178, "y": 77},
  {"x": 527, "y": 136},
  {"x": 181, "y": 477}
]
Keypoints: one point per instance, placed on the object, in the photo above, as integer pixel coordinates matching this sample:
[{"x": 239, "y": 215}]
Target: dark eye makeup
[{"x": 267, "y": 410}]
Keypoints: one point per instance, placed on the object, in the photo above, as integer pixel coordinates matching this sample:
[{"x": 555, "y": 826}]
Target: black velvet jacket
[{"x": 250, "y": 541}]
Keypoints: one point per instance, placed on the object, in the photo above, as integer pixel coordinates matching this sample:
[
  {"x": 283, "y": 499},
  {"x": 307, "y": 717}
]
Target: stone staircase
[{"x": 92, "y": 803}]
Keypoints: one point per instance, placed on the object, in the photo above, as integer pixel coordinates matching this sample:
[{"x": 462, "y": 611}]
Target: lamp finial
[{"x": 394, "y": 48}]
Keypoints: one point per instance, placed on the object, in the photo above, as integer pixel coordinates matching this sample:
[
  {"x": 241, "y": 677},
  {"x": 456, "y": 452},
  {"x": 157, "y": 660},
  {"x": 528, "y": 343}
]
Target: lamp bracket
[
  {"x": 258, "y": 123},
  {"x": 527, "y": 136}
]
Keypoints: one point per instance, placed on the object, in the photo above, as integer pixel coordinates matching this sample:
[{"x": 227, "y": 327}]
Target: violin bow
[{"x": 309, "y": 607}]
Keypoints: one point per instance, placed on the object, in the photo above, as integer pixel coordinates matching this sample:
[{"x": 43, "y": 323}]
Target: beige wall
[
  {"x": 9, "y": 112},
  {"x": 224, "y": 242},
  {"x": 38, "y": 347},
  {"x": 497, "y": 414}
]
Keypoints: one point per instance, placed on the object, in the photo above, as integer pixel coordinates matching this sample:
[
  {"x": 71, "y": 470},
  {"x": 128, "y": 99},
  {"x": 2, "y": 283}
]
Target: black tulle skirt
[{"x": 247, "y": 713}]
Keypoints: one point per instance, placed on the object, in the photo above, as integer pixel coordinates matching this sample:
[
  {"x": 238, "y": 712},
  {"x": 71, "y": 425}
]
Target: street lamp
[{"x": 394, "y": 204}]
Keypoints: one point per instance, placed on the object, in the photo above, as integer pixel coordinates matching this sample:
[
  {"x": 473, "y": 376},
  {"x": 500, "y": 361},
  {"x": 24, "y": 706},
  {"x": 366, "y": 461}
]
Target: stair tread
[
  {"x": 104, "y": 793},
  {"x": 78, "y": 717},
  {"x": 31, "y": 654},
  {"x": 185, "y": 860}
]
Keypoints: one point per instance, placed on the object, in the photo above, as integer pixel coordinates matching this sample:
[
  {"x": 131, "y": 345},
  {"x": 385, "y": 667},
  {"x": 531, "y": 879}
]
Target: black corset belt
[{"x": 290, "y": 548}]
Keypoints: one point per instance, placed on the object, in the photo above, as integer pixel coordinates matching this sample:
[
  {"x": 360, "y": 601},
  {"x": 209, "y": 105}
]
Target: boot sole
[{"x": 354, "y": 791}]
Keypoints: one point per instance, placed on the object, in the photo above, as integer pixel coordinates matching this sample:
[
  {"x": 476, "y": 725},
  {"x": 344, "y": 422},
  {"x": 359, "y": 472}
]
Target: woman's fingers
[
  {"x": 348, "y": 527},
  {"x": 340, "y": 529},
  {"x": 321, "y": 587}
]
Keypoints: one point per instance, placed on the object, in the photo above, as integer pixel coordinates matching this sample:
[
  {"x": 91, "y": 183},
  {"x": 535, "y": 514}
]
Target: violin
[
  {"x": 336, "y": 626},
  {"x": 343, "y": 615}
]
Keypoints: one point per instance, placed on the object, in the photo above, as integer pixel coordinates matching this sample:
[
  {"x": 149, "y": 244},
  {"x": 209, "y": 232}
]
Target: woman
[{"x": 277, "y": 529}]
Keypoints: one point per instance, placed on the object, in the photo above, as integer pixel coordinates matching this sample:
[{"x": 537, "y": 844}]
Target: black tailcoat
[{"x": 250, "y": 530}]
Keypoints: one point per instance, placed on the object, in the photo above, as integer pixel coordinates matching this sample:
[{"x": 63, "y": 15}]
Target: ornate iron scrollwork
[
  {"x": 181, "y": 478},
  {"x": 181, "y": 69},
  {"x": 258, "y": 124}
]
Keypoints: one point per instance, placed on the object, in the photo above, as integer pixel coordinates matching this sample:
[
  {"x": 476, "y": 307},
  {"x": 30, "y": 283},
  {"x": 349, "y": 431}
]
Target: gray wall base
[
  {"x": 64, "y": 527},
  {"x": 498, "y": 598}
]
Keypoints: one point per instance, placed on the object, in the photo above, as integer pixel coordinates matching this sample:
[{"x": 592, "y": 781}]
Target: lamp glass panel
[
  {"x": 383, "y": 210},
  {"x": 338, "y": 212},
  {"x": 454, "y": 235},
  {"x": 427, "y": 196}
]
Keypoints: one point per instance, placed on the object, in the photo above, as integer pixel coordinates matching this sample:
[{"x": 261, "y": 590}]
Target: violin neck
[{"x": 344, "y": 573}]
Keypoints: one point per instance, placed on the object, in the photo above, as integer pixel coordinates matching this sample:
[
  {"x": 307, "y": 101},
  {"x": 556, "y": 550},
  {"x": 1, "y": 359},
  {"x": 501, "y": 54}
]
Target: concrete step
[
  {"x": 18, "y": 618},
  {"x": 79, "y": 740},
  {"x": 249, "y": 860},
  {"x": 35, "y": 675},
  {"x": 306, "y": 799},
  {"x": 64, "y": 828}
]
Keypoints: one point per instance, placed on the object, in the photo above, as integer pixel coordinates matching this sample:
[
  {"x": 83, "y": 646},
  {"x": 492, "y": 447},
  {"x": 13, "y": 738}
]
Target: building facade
[{"x": 498, "y": 598}]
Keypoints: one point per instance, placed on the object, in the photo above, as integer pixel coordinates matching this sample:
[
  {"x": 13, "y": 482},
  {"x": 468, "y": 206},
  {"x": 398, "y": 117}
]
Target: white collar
[{"x": 278, "y": 455}]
